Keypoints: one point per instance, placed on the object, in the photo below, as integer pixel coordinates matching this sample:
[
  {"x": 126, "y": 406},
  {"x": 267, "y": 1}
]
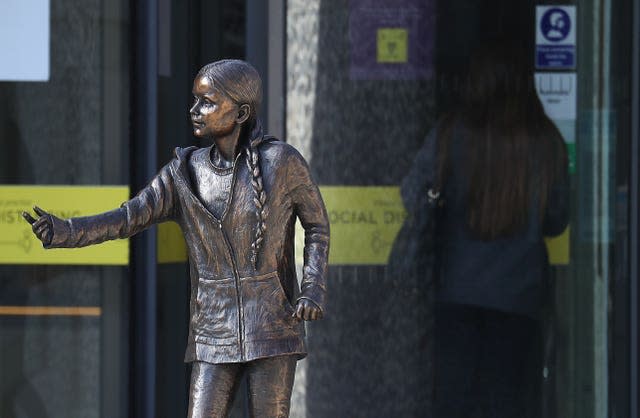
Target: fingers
[
  {"x": 315, "y": 314},
  {"x": 41, "y": 227},
  {"x": 39, "y": 222},
  {"x": 43, "y": 230},
  {"x": 28, "y": 217},
  {"x": 299, "y": 311},
  {"x": 45, "y": 235},
  {"x": 307, "y": 311}
]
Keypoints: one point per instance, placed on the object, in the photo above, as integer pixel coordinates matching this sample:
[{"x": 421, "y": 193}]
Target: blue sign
[
  {"x": 555, "y": 25},
  {"x": 555, "y": 37},
  {"x": 558, "y": 57}
]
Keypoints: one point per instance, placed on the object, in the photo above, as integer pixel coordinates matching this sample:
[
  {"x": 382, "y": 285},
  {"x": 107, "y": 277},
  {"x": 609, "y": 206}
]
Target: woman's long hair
[
  {"x": 239, "y": 81},
  {"x": 514, "y": 153}
]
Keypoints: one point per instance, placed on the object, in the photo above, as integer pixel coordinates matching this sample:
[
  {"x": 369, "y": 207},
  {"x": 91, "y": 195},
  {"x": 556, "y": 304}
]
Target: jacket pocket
[
  {"x": 268, "y": 314},
  {"x": 216, "y": 311}
]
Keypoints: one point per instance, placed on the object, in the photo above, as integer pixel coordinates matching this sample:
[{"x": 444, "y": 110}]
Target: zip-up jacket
[
  {"x": 240, "y": 311},
  {"x": 505, "y": 274}
]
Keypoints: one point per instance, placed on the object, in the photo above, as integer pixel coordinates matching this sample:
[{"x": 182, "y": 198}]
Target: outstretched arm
[{"x": 153, "y": 204}]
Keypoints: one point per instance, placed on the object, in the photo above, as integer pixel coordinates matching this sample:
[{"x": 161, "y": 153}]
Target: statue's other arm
[{"x": 311, "y": 211}]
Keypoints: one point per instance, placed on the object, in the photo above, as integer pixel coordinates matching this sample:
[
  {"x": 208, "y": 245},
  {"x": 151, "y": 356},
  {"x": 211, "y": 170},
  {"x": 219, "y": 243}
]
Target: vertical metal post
[
  {"x": 144, "y": 167},
  {"x": 114, "y": 357},
  {"x": 266, "y": 41},
  {"x": 277, "y": 62},
  {"x": 257, "y": 46},
  {"x": 634, "y": 224}
]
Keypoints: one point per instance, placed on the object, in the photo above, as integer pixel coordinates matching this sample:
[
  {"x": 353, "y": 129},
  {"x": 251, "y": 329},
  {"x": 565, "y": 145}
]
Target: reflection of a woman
[{"x": 505, "y": 186}]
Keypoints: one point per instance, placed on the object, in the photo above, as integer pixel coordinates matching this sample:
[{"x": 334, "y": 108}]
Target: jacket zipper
[
  {"x": 238, "y": 293},
  {"x": 233, "y": 262}
]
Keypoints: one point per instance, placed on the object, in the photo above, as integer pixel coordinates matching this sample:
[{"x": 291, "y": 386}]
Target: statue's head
[{"x": 239, "y": 81}]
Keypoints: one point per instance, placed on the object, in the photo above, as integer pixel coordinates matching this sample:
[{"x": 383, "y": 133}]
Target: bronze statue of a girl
[{"x": 236, "y": 202}]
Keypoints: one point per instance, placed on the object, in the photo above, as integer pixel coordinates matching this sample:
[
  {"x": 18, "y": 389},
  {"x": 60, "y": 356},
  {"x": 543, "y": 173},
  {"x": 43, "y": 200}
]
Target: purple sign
[{"x": 392, "y": 40}]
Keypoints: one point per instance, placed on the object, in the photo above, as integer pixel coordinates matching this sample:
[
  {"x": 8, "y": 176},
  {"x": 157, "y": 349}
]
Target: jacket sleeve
[
  {"x": 153, "y": 204},
  {"x": 309, "y": 207}
]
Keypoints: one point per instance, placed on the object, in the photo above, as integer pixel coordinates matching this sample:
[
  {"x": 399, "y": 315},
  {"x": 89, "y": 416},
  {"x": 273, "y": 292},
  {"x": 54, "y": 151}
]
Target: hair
[
  {"x": 241, "y": 82},
  {"x": 514, "y": 153}
]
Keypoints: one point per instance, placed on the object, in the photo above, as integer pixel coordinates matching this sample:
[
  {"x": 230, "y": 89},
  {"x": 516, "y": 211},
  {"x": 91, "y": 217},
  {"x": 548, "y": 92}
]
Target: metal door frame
[
  {"x": 143, "y": 168},
  {"x": 634, "y": 221}
]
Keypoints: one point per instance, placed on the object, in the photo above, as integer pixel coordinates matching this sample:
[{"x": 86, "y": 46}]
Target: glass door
[
  {"x": 367, "y": 81},
  {"x": 64, "y": 82}
]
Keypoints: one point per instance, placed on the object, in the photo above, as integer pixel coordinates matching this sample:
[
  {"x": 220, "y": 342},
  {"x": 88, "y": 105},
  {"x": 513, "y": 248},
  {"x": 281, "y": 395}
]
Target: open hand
[
  {"x": 42, "y": 227},
  {"x": 307, "y": 310}
]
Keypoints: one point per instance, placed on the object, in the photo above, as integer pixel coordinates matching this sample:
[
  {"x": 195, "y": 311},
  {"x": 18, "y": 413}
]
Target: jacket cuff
[
  {"x": 315, "y": 293},
  {"x": 61, "y": 233}
]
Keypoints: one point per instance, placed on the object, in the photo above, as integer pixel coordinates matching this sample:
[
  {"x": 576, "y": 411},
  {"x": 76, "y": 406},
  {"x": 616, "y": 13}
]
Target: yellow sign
[
  {"x": 558, "y": 248},
  {"x": 392, "y": 45},
  {"x": 171, "y": 245},
  {"x": 18, "y": 245},
  {"x": 365, "y": 221}
]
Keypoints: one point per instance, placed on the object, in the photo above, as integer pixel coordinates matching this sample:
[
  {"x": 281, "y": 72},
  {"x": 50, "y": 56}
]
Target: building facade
[{"x": 356, "y": 86}]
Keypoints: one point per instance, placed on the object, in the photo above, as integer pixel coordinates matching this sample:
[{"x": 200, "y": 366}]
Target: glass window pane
[
  {"x": 63, "y": 329},
  {"x": 369, "y": 83}
]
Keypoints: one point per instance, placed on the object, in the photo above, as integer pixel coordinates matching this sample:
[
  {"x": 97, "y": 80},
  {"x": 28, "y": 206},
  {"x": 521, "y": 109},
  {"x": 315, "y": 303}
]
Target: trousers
[
  {"x": 270, "y": 381},
  {"x": 487, "y": 363}
]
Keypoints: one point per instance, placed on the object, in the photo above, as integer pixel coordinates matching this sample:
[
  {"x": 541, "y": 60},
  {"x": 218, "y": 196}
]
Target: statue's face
[{"x": 213, "y": 114}]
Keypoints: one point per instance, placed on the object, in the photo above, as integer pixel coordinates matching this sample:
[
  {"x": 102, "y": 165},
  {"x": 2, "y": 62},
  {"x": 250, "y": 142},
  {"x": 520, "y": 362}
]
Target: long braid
[{"x": 259, "y": 199}]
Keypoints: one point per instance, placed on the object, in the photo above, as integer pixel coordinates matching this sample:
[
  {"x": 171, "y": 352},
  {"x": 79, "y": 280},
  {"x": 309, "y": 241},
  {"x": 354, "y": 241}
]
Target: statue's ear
[{"x": 243, "y": 114}]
